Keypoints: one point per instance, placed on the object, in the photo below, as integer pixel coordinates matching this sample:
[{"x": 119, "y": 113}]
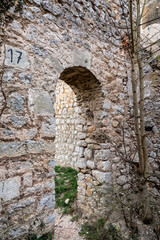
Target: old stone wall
[
  {"x": 78, "y": 43},
  {"x": 67, "y": 127}
]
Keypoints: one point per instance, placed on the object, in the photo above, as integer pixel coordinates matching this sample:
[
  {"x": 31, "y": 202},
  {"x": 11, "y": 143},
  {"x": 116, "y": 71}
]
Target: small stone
[
  {"x": 88, "y": 153},
  {"x": 90, "y": 164},
  {"x": 50, "y": 219},
  {"x": 10, "y": 188},
  {"x": 122, "y": 180},
  {"x": 104, "y": 166},
  {"x": 81, "y": 163},
  {"x": 18, "y": 122},
  {"x": 27, "y": 179},
  {"x": 57, "y": 10},
  {"x": 16, "y": 102},
  {"x": 89, "y": 192},
  {"x": 152, "y": 154},
  {"x": 102, "y": 155},
  {"x": 102, "y": 177},
  {"x": 107, "y": 104},
  {"x": 115, "y": 124}
]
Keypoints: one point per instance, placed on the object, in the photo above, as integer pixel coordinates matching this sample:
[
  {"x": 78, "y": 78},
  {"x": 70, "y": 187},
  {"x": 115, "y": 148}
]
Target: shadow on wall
[{"x": 77, "y": 107}]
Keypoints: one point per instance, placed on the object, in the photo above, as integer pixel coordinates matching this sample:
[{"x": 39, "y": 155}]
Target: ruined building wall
[{"x": 78, "y": 43}]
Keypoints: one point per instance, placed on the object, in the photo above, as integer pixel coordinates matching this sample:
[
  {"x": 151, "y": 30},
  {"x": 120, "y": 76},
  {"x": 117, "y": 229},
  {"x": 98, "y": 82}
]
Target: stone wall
[
  {"x": 67, "y": 127},
  {"x": 78, "y": 43}
]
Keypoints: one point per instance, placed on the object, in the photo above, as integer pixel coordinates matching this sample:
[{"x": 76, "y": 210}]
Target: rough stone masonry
[{"x": 73, "y": 43}]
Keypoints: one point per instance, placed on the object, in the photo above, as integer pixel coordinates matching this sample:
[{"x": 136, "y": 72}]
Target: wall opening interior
[
  {"x": 78, "y": 111},
  {"x": 66, "y": 111}
]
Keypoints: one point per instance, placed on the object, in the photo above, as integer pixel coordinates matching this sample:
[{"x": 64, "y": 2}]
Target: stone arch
[{"x": 83, "y": 139}]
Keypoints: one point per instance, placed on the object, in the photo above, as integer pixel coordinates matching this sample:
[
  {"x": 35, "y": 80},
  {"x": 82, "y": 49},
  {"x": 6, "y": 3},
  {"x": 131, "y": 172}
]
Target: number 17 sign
[{"x": 16, "y": 57}]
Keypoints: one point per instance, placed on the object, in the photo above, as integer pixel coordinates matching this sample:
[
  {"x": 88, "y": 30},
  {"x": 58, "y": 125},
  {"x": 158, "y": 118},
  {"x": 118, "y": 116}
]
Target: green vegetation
[
  {"x": 65, "y": 188},
  {"x": 97, "y": 231},
  {"x": 158, "y": 58},
  {"x": 44, "y": 237}
]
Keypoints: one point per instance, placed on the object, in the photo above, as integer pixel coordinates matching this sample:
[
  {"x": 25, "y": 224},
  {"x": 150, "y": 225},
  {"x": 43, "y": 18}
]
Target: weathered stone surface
[
  {"x": 20, "y": 205},
  {"x": 9, "y": 189},
  {"x": 12, "y": 149},
  {"x": 122, "y": 180},
  {"x": 81, "y": 163},
  {"x": 16, "y": 57},
  {"x": 50, "y": 219},
  {"x": 81, "y": 58},
  {"x": 88, "y": 153},
  {"x": 102, "y": 177},
  {"x": 103, "y": 155},
  {"x": 48, "y": 201},
  {"x": 89, "y": 192},
  {"x": 104, "y": 166},
  {"x": 27, "y": 179},
  {"x": 16, "y": 102},
  {"x": 75, "y": 42},
  {"x": 18, "y": 122},
  {"x": 40, "y": 102}
]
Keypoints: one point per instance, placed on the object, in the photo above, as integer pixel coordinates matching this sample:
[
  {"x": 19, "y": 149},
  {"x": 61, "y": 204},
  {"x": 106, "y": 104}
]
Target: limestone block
[
  {"x": 81, "y": 58},
  {"x": 12, "y": 149},
  {"x": 90, "y": 164},
  {"x": 80, "y": 151},
  {"x": 82, "y": 143},
  {"x": 107, "y": 104},
  {"x": 8, "y": 76},
  {"x": 80, "y": 176},
  {"x": 48, "y": 201},
  {"x": 88, "y": 153},
  {"x": 40, "y": 102},
  {"x": 27, "y": 179},
  {"x": 22, "y": 204},
  {"x": 89, "y": 191},
  {"x": 122, "y": 180},
  {"x": 103, "y": 155},
  {"x": 81, "y": 136},
  {"x": 81, "y": 163},
  {"x": 15, "y": 102},
  {"x": 18, "y": 121},
  {"x": 48, "y": 129},
  {"x": 49, "y": 185},
  {"x": 36, "y": 189},
  {"x": 3, "y": 173},
  {"x": 102, "y": 177},
  {"x": 50, "y": 219},
  {"x": 39, "y": 146},
  {"x": 16, "y": 57},
  {"x": 9, "y": 189},
  {"x": 104, "y": 166}
]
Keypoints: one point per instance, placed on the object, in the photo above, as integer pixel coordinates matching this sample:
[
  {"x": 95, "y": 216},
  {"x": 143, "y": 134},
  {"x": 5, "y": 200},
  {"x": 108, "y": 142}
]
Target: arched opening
[{"x": 78, "y": 111}]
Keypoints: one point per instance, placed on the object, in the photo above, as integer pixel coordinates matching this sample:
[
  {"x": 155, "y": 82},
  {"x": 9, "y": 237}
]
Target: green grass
[{"x": 65, "y": 188}]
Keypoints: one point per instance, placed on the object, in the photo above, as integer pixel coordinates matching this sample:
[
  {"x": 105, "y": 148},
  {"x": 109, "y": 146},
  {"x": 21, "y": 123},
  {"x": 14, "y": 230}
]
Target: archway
[{"x": 78, "y": 122}]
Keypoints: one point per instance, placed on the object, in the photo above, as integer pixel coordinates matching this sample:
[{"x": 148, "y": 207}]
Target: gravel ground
[{"x": 65, "y": 229}]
